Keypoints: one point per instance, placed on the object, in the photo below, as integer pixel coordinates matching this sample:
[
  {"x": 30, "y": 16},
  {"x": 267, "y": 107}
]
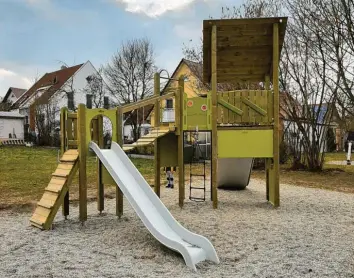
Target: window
[
  {"x": 71, "y": 100},
  {"x": 169, "y": 103},
  {"x": 89, "y": 78},
  {"x": 89, "y": 101},
  {"x": 106, "y": 102}
]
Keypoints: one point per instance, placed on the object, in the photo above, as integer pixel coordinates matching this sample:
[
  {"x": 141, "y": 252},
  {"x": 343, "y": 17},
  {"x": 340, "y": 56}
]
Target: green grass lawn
[{"x": 25, "y": 172}]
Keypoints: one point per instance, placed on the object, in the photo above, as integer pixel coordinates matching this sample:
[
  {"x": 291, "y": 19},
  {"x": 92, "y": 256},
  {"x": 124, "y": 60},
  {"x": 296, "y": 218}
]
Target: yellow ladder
[{"x": 56, "y": 190}]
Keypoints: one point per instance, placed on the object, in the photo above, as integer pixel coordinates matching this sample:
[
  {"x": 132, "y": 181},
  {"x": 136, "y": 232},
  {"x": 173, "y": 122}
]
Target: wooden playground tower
[{"x": 243, "y": 123}]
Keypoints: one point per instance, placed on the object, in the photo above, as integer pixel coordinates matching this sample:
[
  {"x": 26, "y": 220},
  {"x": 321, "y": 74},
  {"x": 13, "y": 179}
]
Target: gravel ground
[{"x": 310, "y": 235}]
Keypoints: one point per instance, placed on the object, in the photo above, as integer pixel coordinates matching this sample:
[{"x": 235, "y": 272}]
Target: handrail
[{"x": 144, "y": 102}]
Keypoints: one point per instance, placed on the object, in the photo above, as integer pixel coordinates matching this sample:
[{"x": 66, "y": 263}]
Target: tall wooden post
[
  {"x": 100, "y": 185},
  {"x": 274, "y": 186},
  {"x": 214, "y": 125},
  {"x": 268, "y": 161},
  {"x": 81, "y": 117},
  {"x": 63, "y": 149},
  {"x": 179, "y": 122},
  {"x": 120, "y": 141},
  {"x": 157, "y": 159}
]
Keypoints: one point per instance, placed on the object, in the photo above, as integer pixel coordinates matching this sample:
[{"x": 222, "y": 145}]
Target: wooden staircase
[
  {"x": 56, "y": 190},
  {"x": 147, "y": 139}
]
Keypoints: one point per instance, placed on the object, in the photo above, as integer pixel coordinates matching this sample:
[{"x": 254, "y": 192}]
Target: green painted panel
[
  {"x": 245, "y": 143},
  {"x": 168, "y": 150},
  {"x": 196, "y": 114},
  {"x": 110, "y": 114}
]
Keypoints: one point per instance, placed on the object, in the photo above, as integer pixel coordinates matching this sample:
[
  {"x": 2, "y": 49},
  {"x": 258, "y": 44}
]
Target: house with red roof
[{"x": 61, "y": 88}]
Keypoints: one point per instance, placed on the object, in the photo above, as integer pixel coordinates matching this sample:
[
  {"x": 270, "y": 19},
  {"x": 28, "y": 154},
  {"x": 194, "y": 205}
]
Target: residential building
[
  {"x": 65, "y": 87},
  {"x": 12, "y": 95}
]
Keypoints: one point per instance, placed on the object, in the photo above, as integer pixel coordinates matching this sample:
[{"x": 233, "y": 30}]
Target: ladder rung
[
  {"x": 197, "y": 187},
  {"x": 197, "y": 175}
]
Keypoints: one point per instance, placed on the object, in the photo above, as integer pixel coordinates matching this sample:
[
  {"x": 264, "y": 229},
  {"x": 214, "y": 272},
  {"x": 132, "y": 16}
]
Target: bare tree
[
  {"x": 130, "y": 73},
  {"x": 46, "y": 121},
  {"x": 5, "y": 106},
  {"x": 96, "y": 88}
]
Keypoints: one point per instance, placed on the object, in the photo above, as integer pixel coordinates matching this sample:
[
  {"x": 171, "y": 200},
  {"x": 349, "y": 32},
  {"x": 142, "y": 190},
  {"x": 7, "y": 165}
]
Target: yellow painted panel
[{"x": 245, "y": 143}]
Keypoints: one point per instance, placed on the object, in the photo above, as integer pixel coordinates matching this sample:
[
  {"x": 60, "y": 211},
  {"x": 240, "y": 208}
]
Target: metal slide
[
  {"x": 155, "y": 216},
  {"x": 234, "y": 173}
]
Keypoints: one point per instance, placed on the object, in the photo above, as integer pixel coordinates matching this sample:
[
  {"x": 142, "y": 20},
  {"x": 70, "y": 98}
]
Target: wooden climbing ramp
[
  {"x": 56, "y": 190},
  {"x": 147, "y": 139}
]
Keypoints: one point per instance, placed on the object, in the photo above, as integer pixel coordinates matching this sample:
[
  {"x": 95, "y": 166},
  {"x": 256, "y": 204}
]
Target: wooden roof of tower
[{"x": 244, "y": 48}]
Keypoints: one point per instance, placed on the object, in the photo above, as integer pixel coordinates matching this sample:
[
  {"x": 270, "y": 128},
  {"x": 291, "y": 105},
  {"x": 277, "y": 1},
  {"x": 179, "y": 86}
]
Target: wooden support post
[
  {"x": 81, "y": 117},
  {"x": 63, "y": 149},
  {"x": 214, "y": 115},
  {"x": 100, "y": 185},
  {"x": 63, "y": 139},
  {"x": 274, "y": 171},
  {"x": 157, "y": 160},
  {"x": 120, "y": 141},
  {"x": 181, "y": 187},
  {"x": 268, "y": 161}
]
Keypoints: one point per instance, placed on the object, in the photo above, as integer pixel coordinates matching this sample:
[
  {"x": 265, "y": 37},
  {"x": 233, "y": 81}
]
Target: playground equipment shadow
[{"x": 309, "y": 235}]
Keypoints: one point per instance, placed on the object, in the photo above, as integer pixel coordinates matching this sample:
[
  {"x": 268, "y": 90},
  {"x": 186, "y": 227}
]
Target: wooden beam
[
  {"x": 274, "y": 187},
  {"x": 267, "y": 160},
  {"x": 157, "y": 158},
  {"x": 229, "y": 106},
  {"x": 81, "y": 116},
  {"x": 181, "y": 187},
  {"x": 100, "y": 185},
  {"x": 120, "y": 141},
  {"x": 63, "y": 148},
  {"x": 214, "y": 119},
  {"x": 147, "y": 101},
  {"x": 253, "y": 106}
]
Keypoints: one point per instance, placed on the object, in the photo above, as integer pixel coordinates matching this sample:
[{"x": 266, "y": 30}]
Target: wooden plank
[
  {"x": 39, "y": 219},
  {"x": 81, "y": 115},
  {"x": 46, "y": 203},
  {"x": 225, "y": 111},
  {"x": 274, "y": 186},
  {"x": 244, "y": 40},
  {"x": 120, "y": 137},
  {"x": 58, "y": 181},
  {"x": 180, "y": 142},
  {"x": 229, "y": 106},
  {"x": 50, "y": 196},
  {"x": 42, "y": 211},
  {"x": 61, "y": 172},
  {"x": 72, "y": 152},
  {"x": 232, "y": 116},
  {"x": 252, "y": 105},
  {"x": 63, "y": 116},
  {"x": 72, "y": 115},
  {"x": 54, "y": 188},
  {"x": 214, "y": 140},
  {"x": 65, "y": 166},
  {"x": 68, "y": 158},
  {"x": 147, "y": 101}
]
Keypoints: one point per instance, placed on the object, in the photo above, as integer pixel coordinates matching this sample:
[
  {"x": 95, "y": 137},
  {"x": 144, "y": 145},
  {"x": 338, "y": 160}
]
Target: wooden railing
[{"x": 245, "y": 107}]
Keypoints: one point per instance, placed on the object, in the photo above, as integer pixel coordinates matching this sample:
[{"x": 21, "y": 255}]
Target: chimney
[{"x": 63, "y": 67}]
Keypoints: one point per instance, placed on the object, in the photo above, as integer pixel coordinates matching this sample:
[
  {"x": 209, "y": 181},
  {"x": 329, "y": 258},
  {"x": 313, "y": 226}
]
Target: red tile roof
[{"x": 56, "y": 79}]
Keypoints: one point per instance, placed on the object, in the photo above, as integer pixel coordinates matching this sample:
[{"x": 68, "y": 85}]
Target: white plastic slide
[{"x": 155, "y": 216}]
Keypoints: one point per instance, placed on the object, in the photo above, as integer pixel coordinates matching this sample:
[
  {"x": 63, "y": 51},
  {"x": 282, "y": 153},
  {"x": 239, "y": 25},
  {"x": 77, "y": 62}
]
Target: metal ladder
[{"x": 196, "y": 161}]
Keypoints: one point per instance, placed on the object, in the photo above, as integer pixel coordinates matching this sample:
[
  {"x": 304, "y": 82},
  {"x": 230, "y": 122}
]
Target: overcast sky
[{"x": 35, "y": 35}]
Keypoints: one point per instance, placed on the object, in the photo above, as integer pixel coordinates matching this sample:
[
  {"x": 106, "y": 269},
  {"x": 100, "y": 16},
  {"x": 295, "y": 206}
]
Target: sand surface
[{"x": 310, "y": 235}]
